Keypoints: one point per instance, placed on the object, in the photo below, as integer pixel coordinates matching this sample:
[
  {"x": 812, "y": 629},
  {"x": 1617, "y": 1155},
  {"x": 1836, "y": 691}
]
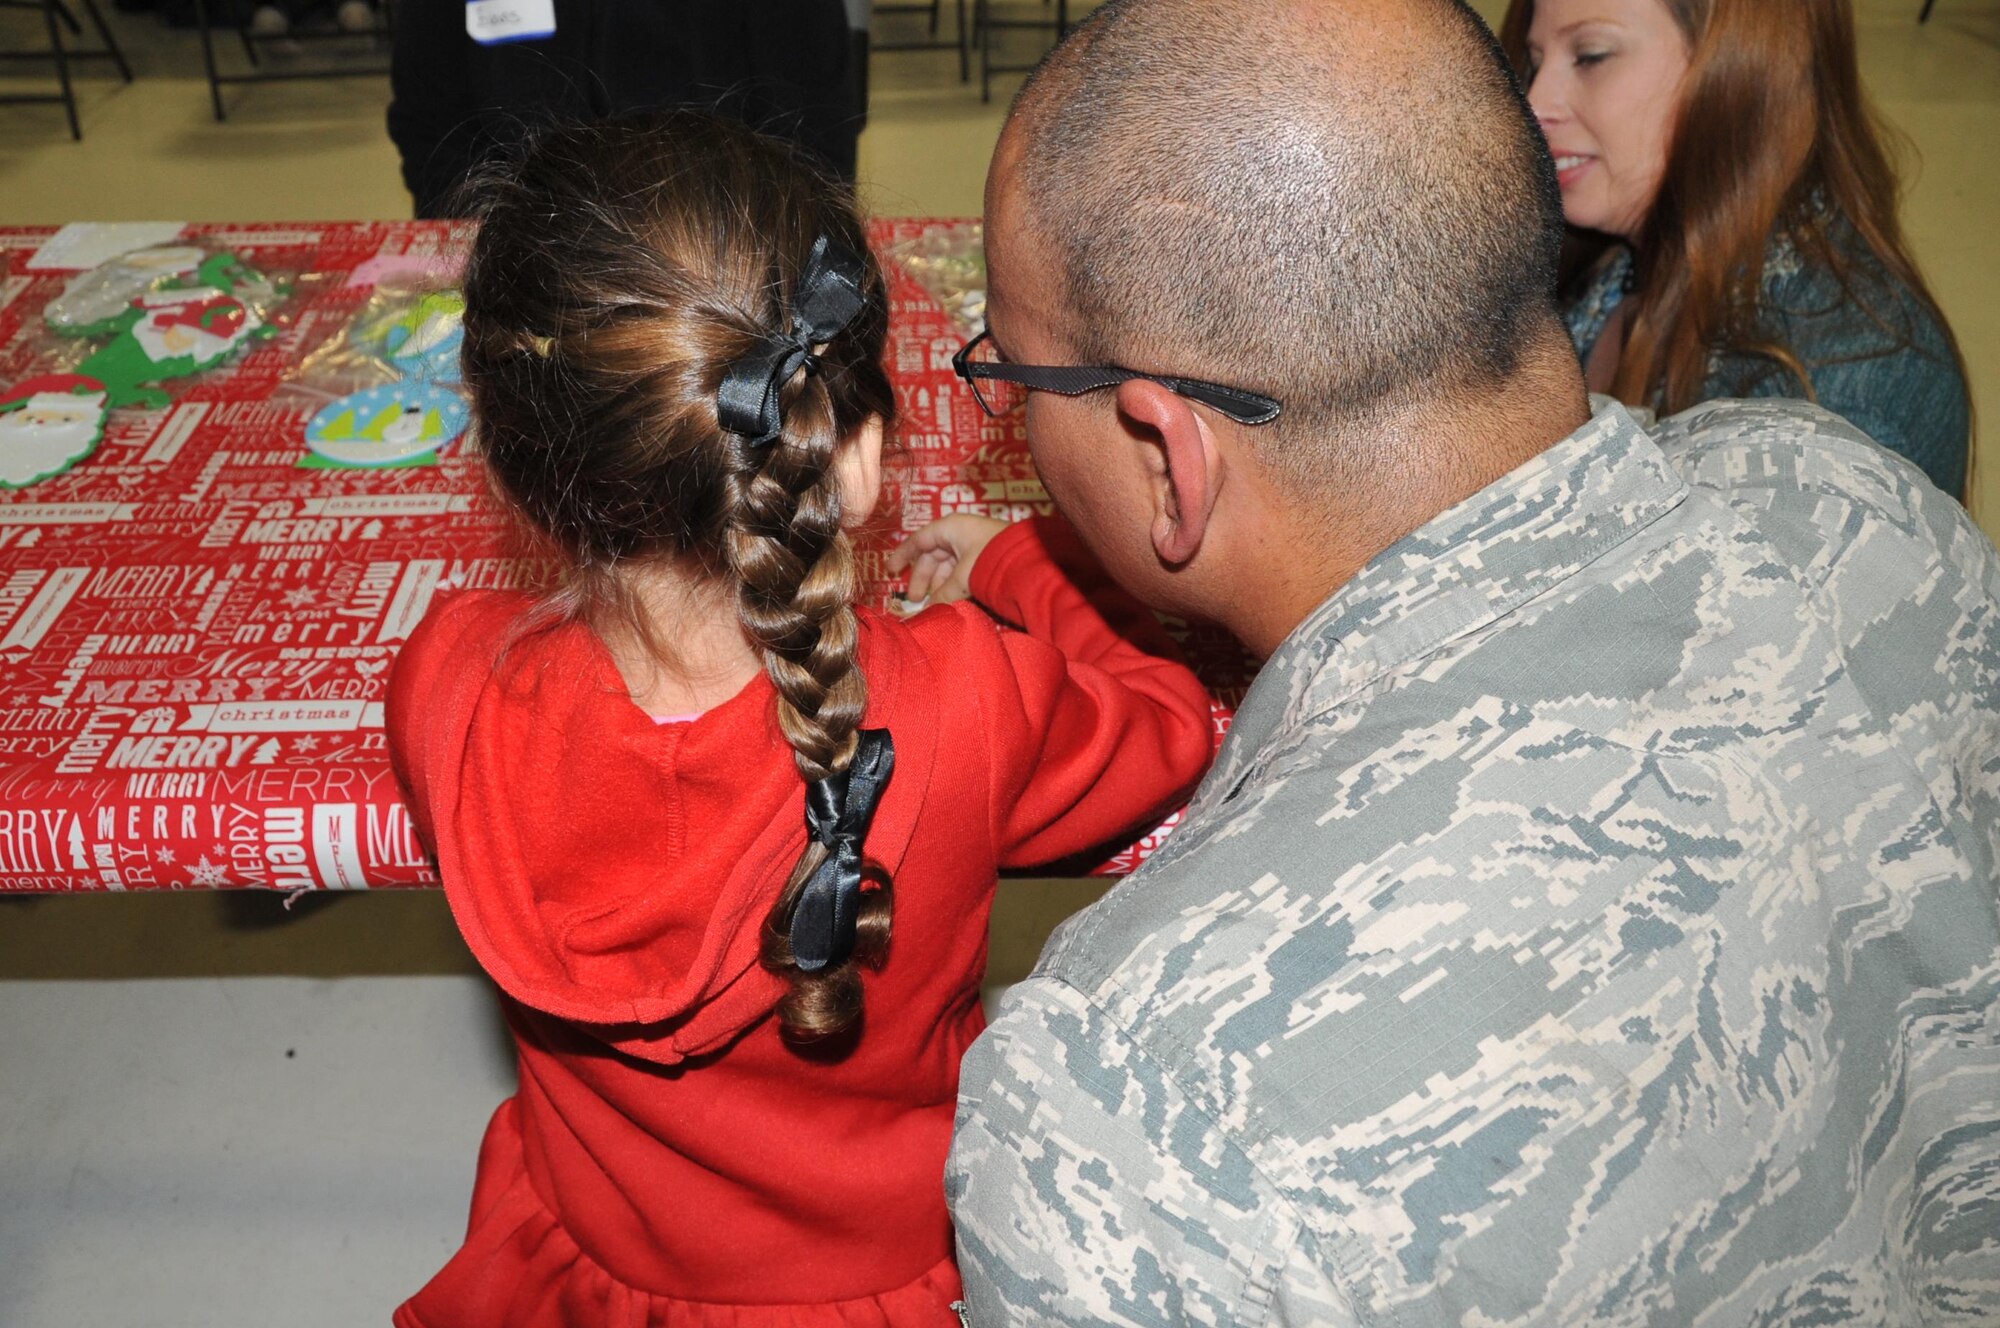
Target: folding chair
[
  {"x": 58, "y": 17},
  {"x": 986, "y": 25},
  {"x": 259, "y": 74},
  {"x": 963, "y": 43}
]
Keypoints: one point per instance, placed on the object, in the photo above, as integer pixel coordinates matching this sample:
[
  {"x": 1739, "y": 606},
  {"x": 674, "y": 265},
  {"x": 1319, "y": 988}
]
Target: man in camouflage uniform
[{"x": 1591, "y": 918}]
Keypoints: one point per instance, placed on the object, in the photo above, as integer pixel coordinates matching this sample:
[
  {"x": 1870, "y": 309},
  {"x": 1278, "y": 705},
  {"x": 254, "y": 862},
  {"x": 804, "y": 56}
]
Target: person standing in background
[
  {"x": 782, "y": 66},
  {"x": 1732, "y": 214}
]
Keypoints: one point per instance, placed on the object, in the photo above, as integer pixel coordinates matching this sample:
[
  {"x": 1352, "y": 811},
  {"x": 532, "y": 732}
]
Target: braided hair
[{"x": 620, "y": 270}]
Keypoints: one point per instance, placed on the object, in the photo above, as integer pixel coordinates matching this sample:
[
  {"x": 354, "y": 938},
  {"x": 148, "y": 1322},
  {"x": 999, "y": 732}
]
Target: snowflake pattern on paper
[
  {"x": 206, "y": 875},
  {"x": 156, "y": 560}
]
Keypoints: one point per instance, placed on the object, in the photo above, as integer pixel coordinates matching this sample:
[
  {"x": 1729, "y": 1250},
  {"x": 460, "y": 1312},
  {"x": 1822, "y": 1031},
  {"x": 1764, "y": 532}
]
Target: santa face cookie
[
  {"x": 94, "y": 301},
  {"x": 175, "y": 333},
  {"x": 202, "y": 325},
  {"x": 47, "y": 425}
]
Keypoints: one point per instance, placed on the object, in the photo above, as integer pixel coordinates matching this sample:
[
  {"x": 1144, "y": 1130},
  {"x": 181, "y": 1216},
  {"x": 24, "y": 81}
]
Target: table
[{"x": 196, "y": 633}]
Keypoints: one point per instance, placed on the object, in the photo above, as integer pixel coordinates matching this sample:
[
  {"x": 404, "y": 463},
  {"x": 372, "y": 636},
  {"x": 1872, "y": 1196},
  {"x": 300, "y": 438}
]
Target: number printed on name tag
[{"x": 491, "y": 22}]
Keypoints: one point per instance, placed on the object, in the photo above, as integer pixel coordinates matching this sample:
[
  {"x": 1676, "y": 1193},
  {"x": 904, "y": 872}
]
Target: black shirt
[{"x": 783, "y": 66}]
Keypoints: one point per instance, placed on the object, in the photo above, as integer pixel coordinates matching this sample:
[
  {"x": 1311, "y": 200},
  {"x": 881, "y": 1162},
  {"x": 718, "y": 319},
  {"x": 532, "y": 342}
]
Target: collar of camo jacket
[{"x": 1530, "y": 530}]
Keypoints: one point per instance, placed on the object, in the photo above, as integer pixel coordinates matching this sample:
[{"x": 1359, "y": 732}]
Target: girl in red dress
[{"x": 727, "y": 842}]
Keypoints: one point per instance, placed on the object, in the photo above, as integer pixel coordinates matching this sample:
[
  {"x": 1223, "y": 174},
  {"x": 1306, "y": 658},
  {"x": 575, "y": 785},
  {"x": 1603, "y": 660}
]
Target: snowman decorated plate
[{"x": 399, "y": 424}]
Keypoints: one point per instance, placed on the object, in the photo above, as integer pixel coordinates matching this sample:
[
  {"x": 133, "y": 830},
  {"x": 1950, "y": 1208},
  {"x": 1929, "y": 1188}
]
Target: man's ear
[{"x": 1185, "y": 466}]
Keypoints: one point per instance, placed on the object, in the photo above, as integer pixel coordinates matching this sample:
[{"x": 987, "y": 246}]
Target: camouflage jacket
[{"x": 1590, "y": 920}]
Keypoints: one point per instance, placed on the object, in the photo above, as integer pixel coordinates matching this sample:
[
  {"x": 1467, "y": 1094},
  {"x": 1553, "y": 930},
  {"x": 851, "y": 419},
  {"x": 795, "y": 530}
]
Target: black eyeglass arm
[
  {"x": 1075, "y": 380},
  {"x": 1239, "y": 405}
]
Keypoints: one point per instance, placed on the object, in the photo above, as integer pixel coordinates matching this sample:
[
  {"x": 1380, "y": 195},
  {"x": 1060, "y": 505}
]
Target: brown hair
[
  {"x": 1775, "y": 137},
  {"x": 620, "y": 268}
]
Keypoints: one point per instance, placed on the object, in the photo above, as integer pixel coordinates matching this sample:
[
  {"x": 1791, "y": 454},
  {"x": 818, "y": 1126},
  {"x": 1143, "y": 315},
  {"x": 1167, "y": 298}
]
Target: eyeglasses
[{"x": 1002, "y": 388}]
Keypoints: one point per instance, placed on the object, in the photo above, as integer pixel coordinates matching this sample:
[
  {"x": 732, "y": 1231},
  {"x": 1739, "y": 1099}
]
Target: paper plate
[{"x": 386, "y": 426}]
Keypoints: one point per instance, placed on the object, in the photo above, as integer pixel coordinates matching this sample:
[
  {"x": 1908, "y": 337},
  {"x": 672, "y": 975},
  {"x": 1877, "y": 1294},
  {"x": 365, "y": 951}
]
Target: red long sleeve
[
  {"x": 1100, "y": 729},
  {"x": 613, "y": 875}
]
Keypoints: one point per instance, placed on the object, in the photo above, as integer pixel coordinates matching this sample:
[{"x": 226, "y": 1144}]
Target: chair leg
[
  {"x": 243, "y": 35},
  {"x": 1925, "y": 17},
  {"x": 68, "y": 19},
  {"x": 208, "y": 58},
  {"x": 964, "y": 47},
  {"x": 110, "y": 42},
  {"x": 1062, "y": 19},
  {"x": 61, "y": 54},
  {"x": 936, "y": 5},
  {"x": 985, "y": 51}
]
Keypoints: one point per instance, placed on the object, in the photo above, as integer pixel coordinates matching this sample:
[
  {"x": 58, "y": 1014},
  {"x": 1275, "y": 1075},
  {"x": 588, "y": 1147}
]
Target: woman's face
[{"x": 1606, "y": 86}]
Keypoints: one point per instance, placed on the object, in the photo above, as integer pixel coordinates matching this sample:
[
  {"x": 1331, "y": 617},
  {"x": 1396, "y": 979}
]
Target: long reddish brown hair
[
  {"x": 1775, "y": 136},
  {"x": 620, "y": 268}
]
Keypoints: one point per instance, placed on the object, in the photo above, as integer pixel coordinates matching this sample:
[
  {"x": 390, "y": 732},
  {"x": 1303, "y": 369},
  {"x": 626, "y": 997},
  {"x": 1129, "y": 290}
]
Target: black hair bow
[
  {"x": 829, "y": 296},
  {"x": 838, "y": 810}
]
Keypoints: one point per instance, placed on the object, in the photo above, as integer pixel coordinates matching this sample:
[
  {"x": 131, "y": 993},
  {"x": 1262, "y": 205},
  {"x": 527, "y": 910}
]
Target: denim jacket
[{"x": 1897, "y": 383}]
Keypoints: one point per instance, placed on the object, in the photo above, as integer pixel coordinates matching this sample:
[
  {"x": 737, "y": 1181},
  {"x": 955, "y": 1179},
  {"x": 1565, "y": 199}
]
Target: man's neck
[{"x": 1303, "y": 554}]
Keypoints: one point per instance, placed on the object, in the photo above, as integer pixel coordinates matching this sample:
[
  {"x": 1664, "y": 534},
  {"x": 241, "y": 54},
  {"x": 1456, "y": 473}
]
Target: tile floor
[{"x": 216, "y": 1112}]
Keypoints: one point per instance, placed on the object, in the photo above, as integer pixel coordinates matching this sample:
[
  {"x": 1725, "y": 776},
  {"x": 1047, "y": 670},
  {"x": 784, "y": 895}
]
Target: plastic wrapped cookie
[
  {"x": 94, "y": 300},
  {"x": 949, "y": 262},
  {"x": 417, "y": 334}
]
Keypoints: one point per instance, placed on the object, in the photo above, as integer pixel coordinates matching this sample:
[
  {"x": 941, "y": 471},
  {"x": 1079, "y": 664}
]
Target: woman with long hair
[{"x": 1732, "y": 212}]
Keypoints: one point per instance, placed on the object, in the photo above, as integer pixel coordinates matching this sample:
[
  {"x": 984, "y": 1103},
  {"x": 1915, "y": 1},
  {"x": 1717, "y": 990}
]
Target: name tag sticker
[{"x": 492, "y": 22}]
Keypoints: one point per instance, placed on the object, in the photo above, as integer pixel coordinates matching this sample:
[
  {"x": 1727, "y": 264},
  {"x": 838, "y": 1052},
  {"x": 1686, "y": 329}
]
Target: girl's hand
[{"x": 940, "y": 557}]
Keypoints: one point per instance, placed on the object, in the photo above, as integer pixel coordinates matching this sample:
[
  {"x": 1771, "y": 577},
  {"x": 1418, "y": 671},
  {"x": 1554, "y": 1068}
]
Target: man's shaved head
[{"x": 1343, "y": 203}]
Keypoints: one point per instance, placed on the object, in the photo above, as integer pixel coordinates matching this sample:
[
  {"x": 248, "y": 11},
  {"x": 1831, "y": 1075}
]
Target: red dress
[{"x": 669, "y": 1160}]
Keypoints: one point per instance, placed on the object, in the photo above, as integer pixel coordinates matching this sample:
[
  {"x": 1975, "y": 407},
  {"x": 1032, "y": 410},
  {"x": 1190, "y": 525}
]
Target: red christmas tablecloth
[{"x": 196, "y": 632}]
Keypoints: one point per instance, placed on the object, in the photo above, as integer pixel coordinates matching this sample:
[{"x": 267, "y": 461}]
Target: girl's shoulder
[
  {"x": 460, "y": 619},
  {"x": 465, "y": 631},
  {"x": 947, "y": 666},
  {"x": 944, "y": 638}
]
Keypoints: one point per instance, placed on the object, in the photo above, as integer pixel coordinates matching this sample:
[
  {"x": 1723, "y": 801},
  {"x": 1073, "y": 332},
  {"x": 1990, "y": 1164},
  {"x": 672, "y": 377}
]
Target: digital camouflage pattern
[{"x": 1590, "y": 921}]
